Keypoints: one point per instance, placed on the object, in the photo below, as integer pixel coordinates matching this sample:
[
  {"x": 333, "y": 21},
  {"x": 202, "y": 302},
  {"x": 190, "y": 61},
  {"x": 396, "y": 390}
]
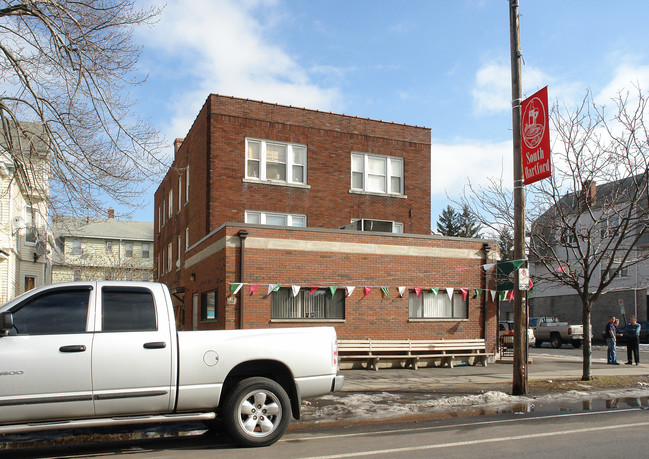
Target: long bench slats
[{"x": 412, "y": 351}]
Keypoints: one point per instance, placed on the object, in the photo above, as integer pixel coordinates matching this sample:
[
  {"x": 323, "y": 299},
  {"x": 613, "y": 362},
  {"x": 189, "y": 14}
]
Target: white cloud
[
  {"x": 452, "y": 166},
  {"x": 626, "y": 78},
  {"x": 222, "y": 47}
]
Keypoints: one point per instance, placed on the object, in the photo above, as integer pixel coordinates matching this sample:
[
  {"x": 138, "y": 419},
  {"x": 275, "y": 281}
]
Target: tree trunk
[{"x": 587, "y": 344}]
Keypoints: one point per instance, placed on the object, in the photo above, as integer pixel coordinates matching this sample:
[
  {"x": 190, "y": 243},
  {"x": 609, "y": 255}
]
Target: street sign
[
  {"x": 523, "y": 279},
  {"x": 535, "y": 136}
]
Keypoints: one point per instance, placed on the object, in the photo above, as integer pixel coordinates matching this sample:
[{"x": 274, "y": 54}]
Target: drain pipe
[
  {"x": 243, "y": 234},
  {"x": 486, "y": 249}
]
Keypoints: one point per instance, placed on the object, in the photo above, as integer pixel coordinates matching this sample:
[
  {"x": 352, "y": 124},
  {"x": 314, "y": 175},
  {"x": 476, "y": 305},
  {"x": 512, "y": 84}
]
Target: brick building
[{"x": 319, "y": 202}]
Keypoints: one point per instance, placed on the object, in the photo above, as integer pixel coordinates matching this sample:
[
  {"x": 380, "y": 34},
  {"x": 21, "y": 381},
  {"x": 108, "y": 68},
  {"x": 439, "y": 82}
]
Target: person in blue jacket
[
  {"x": 632, "y": 338},
  {"x": 610, "y": 341}
]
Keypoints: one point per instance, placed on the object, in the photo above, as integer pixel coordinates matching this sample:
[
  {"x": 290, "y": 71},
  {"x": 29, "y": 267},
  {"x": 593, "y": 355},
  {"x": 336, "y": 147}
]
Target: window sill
[
  {"x": 383, "y": 195},
  {"x": 275, "y": 183},
  {"x": 306, "y": 320},
  {"x": 434, "y": 319}
]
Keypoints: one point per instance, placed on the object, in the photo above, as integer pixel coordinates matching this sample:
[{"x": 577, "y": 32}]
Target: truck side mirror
[{"x": 6, "y": 322}]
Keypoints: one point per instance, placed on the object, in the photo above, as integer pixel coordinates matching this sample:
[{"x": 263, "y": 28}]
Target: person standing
[
  {"x": 632, "y": 337},
  {"x": 611, "y": 357}
]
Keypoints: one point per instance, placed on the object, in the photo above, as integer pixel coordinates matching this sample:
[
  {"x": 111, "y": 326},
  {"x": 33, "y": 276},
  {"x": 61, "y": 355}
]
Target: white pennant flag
[
  {"x": 401, "y": 291},
  {"x": 350, "y": 290},
  {"x": 296, "y": 289},
  {"x": 493, "y": 295},
  {"x": 271, "y": 287},
  {"x": 488, "y": 266},
  {"x": 450, "y": 294}
]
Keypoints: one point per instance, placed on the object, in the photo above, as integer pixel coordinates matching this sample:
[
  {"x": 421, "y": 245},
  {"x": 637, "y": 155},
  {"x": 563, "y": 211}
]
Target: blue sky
[{"x": 439, "y": 64}]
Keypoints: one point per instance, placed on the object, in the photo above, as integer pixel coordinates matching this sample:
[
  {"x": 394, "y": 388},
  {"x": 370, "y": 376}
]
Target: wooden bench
[{"x": 412, "y": 351}]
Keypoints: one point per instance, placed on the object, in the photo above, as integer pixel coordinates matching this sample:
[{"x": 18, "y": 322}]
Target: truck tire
[
  {"x": 576, "y": 343},
  {"x": 555, "y": 341},
  {"x": 257, "y": 412}
]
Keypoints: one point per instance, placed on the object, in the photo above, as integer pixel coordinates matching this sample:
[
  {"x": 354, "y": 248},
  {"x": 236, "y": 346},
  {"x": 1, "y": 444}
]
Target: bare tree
[
  {"x": 66, "y": 67},
  {"x": 588, "y": 222}
]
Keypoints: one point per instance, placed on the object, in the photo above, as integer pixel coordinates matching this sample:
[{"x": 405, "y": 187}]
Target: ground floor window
[
  {"x": 320, "y": 304},
  {"x": 428, "y": 305},
  {"x": 208, "y": 305}
]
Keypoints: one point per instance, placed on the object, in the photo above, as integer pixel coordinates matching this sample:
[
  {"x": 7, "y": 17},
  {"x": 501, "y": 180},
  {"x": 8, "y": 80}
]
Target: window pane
[
  {"x": 253, "y": 150},
  {"x": 376, "y": 166},
  {"x": 298, "y": 155},
  {"x": 376, "y": 183},
  {"x": 278, "y": 220},
  {"x": 208, "y": 306},
  {"x": 253, "y": 217},
  {"x": 253, "y": 169},
  {"x": 459, "y": 307},
  {"x": 125, "y": 309},
  {"x": 276, "y": 171},
  {"x": 395, "y": 184},
  {"x": 298, "y": 174},
  {"x": 276, "y": 153},
  {"x": 357, "y": 163},
  {"x": 298, "y": 221},
  {"x": 53, "y": 313},
  {"x": 357, "y": 180}
]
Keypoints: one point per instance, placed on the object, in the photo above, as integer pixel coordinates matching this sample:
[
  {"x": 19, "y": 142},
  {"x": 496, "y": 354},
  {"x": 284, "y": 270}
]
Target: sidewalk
[{"x": 544, "y": 367}]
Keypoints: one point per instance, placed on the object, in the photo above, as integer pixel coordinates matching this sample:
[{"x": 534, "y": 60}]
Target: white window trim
[
  {"x": 33, "y": 226},
  {"x": 171, "y": 204},
  {"x": 289, "y": 163},
  {"x": 180, "y": 193},
  {"x": 187, "y": 238},
  {"x": 170, "y": 256},
  {"x": 187, "y": 184},
  {"x": 289, "y": 217},
  {"x": 180, "y": 240},
  {"x": 388, "y": 175},
  {"x": 395, "y": 225}
]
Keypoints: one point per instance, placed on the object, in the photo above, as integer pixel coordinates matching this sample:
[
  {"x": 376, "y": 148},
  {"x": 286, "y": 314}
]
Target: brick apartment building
[{"x": 275, "y": 216}]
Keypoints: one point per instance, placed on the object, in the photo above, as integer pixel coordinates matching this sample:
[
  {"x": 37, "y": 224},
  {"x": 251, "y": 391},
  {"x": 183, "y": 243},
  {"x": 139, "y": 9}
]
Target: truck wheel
[
  {"x": 555, "y": 341},
  {"x": 257, "y": 412},
  {"x": 576, "y": 343}
]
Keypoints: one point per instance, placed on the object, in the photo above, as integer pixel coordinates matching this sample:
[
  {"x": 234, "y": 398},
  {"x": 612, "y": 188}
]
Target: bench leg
[{"x": 375, "y": 363}]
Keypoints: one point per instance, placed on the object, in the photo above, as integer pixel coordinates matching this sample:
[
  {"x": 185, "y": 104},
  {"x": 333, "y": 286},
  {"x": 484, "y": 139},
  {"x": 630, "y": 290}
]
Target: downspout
[
  {"x": 486, "y": 249},
  {"x": 243, "y": 234}
]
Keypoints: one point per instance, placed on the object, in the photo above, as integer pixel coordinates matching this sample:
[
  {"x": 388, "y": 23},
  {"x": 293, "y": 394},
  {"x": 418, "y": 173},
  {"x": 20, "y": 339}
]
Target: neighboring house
[
  {"x": 276, "y": 216},
  {"x": 599, "y": 226},
  {"x": 97, "y": 249},
  {"x": 24, "y": 193}
]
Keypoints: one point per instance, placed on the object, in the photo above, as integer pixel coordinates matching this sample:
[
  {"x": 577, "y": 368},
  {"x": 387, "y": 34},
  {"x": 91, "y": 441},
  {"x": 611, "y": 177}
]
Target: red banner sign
[{"x": 535, "y": 137}]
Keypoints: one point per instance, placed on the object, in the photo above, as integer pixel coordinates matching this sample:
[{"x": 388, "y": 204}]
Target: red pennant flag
[
  {"x": 465, "y": 292},
  {"x": 254, "y": 288},
  {"x": 367, "y": 290},
  {"x": 313, "y": 289},
  {"x": 418, "y": 291},
  {"x": 511, "y": 295}
]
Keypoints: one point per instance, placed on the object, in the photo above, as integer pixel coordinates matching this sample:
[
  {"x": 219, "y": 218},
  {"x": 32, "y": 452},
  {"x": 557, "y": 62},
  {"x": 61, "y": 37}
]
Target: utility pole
[{"x": 519, "y": 381}]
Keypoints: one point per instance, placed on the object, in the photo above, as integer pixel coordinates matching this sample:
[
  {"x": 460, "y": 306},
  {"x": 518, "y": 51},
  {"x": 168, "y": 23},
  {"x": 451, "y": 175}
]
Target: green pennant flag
[
  {"x": 333, "y": 290},
  {"x": 234, "y": 288},
  {"x": 501, "y": 295},
  {"x": 277, "y": 287},
  {"x": 518, "y": 263},
  {"x": 435, "y": 290},
  {"x": 478, "y": 292},
  {"x": 386, "y": 291}
]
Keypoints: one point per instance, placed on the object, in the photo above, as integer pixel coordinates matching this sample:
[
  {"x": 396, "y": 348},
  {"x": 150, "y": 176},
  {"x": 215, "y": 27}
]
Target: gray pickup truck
[{"x": 551, "y": 330}]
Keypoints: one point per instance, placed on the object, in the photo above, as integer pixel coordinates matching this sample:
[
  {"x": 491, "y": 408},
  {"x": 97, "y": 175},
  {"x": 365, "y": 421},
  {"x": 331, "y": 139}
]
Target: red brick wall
[{"x": 373, "y": 316}]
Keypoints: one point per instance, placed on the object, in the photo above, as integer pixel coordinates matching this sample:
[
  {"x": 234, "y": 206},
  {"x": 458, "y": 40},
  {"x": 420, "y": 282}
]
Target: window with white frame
[
  {"x": 428, "y": 305},
  {"x": 377, "y": 174},
  {"x": 171, "y": 203},
  {"x": 275, "y": 218},
  {"x": 617, "y": 271},
  {"x": 187, "y": 184},
  {"x": 109, "y": 246},
  {"x": 187, "y": 238},
  {"x": 610, "y": 226},
  {"x": 146, "y": 250},
  {"x": 170, "y": 256},
  {"x": 128, "y": 251},
  {"x": 275, "y": 161},
  {"x": 179, "y": 251},
  {"x": 180, "y": 193},
  {"x": 306, "y": 305},
  {"x": 386, "y": 226},
  {"x": 30, "y": 226},
  {"x": 77, "y": 247}
]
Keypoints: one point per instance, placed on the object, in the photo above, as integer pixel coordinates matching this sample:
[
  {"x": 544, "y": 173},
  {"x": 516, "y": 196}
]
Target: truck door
[
  {"x": 132, "y": 354},
  {"x": 45, "y": 358}
]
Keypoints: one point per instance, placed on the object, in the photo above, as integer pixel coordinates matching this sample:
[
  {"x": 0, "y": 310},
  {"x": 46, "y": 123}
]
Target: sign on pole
[{"x": 535, "y": 134}]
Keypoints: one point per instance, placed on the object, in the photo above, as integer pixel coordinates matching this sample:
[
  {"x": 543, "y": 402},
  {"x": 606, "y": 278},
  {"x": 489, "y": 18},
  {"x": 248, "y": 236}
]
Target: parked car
[
  {"x": 644, "y": 333},
  {"x": 550, "y": 329},
  {"x": 507, "y": 328},
  {"x": 86, "y": 354}
]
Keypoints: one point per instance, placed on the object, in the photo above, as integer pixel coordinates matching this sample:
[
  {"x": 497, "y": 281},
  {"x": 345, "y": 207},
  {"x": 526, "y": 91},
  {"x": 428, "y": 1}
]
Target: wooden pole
[{"x": 519, "y": 380}]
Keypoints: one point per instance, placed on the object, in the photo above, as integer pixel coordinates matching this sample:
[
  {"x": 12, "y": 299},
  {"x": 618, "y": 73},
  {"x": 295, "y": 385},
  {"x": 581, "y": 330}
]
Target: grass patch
[{"x": 597, "y": 383}]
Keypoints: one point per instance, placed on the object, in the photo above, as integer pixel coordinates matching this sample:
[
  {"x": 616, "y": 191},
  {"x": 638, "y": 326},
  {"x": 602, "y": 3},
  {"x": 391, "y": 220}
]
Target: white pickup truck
[
  {"x": 87, "y": 354},
  {"x": 550, "y": 329}
]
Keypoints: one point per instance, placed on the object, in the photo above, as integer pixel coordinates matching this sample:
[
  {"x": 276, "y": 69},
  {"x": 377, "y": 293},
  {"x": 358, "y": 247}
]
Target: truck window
[
  {"x": 52, "y": 313},
  {"x": 127, "y": 309}
]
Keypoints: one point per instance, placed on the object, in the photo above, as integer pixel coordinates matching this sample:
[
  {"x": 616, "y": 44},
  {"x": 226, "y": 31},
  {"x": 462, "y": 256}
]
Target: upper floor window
[
  {"x": 77, "y": 248},
  {"x": 376, "y": 225},
  {"x": 109, "y": 246},
  {"x": 276, "y": 219},
  {"x": 610, "y": 226},
  {"x": 30, "y": 225},
  {"x": 180, "y": 193},
  {"x": 187, "y": 238},
  {"x": 128, "y": 252},
  {"x": 171, "y": 203},
  {"x": 187, "y": 184},
  {"x": 275, "y": 161},
  {"x": 146, "y": 250},
  {"x": 170, "y": 256},
  {"x": 377, "y": 174}
]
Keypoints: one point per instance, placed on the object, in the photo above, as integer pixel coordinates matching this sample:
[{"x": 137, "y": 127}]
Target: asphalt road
[{"x": 594, "y": 434}]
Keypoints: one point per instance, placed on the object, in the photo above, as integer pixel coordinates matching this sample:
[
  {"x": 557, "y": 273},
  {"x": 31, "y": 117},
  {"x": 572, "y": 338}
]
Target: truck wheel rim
[{"x": 260, "y": 412}]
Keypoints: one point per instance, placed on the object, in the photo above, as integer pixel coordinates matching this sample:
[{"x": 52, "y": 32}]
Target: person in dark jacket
[
  {"x": 611, "y": 341},
  {"x": 632, "y": 337}
]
